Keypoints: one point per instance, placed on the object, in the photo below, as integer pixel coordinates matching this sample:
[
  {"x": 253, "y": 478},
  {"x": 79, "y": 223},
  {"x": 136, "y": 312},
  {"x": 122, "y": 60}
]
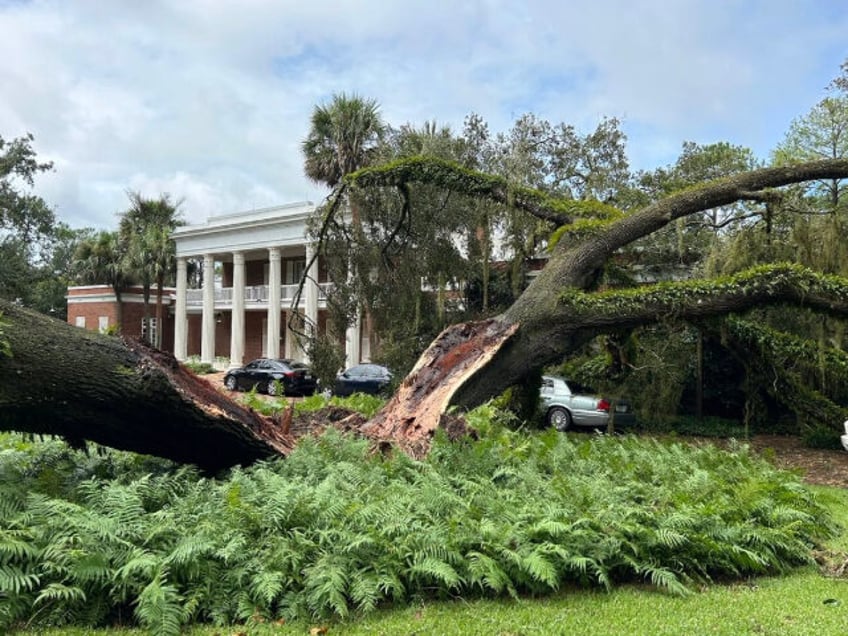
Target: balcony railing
[{"x": 257, "y": 294}]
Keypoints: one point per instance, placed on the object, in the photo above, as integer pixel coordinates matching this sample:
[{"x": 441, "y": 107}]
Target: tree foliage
[
  {"x": 22, "y": 215},
  {"x": 34, "y": 247},
  {"x": 422, "y": 255}
]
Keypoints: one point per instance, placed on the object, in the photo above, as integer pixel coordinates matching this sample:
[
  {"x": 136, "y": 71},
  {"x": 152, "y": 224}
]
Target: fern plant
[{"x": 335, "y": 529}]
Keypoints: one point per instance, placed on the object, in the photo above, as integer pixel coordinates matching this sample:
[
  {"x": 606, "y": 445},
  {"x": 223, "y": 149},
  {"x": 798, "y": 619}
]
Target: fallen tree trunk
[{"x": 61, "y": 380}]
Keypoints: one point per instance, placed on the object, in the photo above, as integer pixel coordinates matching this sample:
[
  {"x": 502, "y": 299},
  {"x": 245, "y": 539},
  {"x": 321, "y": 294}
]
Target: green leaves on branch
[{"x": 579, "y": 229}]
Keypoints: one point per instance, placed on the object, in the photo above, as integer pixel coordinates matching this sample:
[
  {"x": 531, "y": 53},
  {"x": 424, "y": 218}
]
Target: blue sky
[{"x": 209, "y": 100}]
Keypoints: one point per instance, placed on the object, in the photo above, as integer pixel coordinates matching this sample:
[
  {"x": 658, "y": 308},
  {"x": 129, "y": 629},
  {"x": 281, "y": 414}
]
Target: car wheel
[
  {"x": 271, "y": 388},
  {"x": 559, "y": 418},
  {"x": 230, "y": 383}
]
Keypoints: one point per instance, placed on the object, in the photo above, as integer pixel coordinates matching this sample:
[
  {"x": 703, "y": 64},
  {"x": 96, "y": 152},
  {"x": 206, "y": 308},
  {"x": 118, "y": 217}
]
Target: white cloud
[{"x": 209, "y": 101}]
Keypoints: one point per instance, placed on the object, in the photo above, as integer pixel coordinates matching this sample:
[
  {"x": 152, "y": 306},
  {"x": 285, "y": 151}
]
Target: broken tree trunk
[
  {"x": 419, "y": 405},
  {"x": 61, "y": 380}
]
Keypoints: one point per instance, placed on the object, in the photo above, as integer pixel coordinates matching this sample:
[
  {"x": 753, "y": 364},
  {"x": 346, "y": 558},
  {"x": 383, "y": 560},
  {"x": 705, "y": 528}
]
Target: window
[
  {"x": 80, "y": 321},
  {"x": 149, "y": 330},
  {"x": 103, "y": 323},
  {"x": 294, "y": 271}
]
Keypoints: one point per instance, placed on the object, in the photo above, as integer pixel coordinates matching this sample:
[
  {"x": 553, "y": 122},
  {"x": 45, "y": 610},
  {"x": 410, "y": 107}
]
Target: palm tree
[
  {"x": 343, "y": 137},
  {"x": 145, "y": 229},
  {"x": 100, "y": 259}
]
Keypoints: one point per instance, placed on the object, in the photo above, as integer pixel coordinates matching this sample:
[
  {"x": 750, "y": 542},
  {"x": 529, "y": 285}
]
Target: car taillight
[
  {"x": 289, "y": 374},
  {"x": 603, "y": 405}
]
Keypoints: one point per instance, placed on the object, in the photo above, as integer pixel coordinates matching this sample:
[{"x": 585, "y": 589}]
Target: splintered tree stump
[{"x": 419, "y": 406}]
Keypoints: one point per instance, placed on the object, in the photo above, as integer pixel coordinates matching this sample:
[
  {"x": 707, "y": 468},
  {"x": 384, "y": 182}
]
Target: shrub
[
  {"x": 199, "y": 368},
  {"x": 335, "y": 529},
  {"x": 821, "y": 436}
]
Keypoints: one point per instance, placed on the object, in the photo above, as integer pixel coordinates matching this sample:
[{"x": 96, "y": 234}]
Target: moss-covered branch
[
  {"x": 451, "y": 176},
  {"x": 769, "y": 284},
  {"x": 707, "y": 196}
]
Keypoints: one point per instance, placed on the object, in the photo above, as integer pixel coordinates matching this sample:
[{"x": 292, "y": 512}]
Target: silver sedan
[{"x": 566, "y": 404}]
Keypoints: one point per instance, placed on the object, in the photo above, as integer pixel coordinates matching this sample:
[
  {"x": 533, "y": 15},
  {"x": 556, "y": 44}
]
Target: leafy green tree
[
  {"x": 821, "y": 134},
  {"x": 22, "y": 215},
  {"x": 27, "y": 224},
  {"x": 562, "y": 309},
  {"x": 55, "y": 272},
  {"x": 420, "y": 233}
]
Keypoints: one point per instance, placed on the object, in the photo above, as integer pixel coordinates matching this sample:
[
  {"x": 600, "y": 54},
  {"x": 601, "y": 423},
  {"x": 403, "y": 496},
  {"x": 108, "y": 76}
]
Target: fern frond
[
  {"x": 437, "y": 570},
  {"x": 664, "y": 578},
  {"x": 15, "y": 544},
  {"x": 326, "y": 586},
  {"x": 159, "y": 607},
  {"x": 14, "y": 580},
  {"x": 267, "y": 586},
  {"x": 485, "y": 572},
  {"x": 365, "y": 590},
  {"x": 670, "y": 538},
  {"x": 540, "y": 568},
  {"x": 62, "y": 593}
]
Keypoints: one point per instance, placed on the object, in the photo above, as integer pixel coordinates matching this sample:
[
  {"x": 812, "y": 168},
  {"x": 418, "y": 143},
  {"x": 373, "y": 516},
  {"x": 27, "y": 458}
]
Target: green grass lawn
[{"x": 804, "y": 602}]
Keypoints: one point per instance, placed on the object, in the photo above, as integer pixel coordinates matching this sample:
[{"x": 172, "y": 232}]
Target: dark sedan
[
  {"x": 292, "y": 378},
  {"x": 363, "y": 378}
]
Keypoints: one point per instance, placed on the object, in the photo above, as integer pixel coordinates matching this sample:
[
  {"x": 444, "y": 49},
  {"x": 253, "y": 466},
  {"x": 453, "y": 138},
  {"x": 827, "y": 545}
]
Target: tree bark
[{"x": 62, "y": 380}]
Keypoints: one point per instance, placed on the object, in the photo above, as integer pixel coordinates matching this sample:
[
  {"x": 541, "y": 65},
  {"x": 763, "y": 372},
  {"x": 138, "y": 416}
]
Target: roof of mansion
[{"x": 259, "y": 229}]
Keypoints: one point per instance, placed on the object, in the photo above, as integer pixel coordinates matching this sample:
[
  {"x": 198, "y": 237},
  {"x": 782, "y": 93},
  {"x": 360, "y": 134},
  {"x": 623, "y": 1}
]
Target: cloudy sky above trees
[{"x": 209, "y": 100}]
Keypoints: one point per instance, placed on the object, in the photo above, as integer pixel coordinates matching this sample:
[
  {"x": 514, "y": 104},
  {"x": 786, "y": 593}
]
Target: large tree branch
[
  {"x": 594, "y": 252},
  {"x": 697, "y": 299},
  {"x": 453, "y": 177},
  {"x": 552, "y": 330},
  {"x": 576, "y": 263}
]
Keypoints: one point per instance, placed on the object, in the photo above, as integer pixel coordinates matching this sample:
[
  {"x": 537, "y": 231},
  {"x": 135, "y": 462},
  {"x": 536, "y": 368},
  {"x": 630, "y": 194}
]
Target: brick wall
[{"x": 102, "y": 303}]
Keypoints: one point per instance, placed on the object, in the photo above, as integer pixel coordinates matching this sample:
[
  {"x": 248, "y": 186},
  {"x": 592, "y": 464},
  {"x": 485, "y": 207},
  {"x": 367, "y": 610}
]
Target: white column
[
  {"x": 180, "y": 315},
  {"x": 237, "y": 322},
  {"x": 275, "y": 279},
  {"x": 207, "y": 338},
  {"x": 310, "y": 291},
  {"x": 353, "y": 337}
]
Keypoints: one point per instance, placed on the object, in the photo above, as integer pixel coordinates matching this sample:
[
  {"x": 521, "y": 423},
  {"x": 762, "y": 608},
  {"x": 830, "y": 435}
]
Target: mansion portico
[{"x": 252, "y": 264}]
